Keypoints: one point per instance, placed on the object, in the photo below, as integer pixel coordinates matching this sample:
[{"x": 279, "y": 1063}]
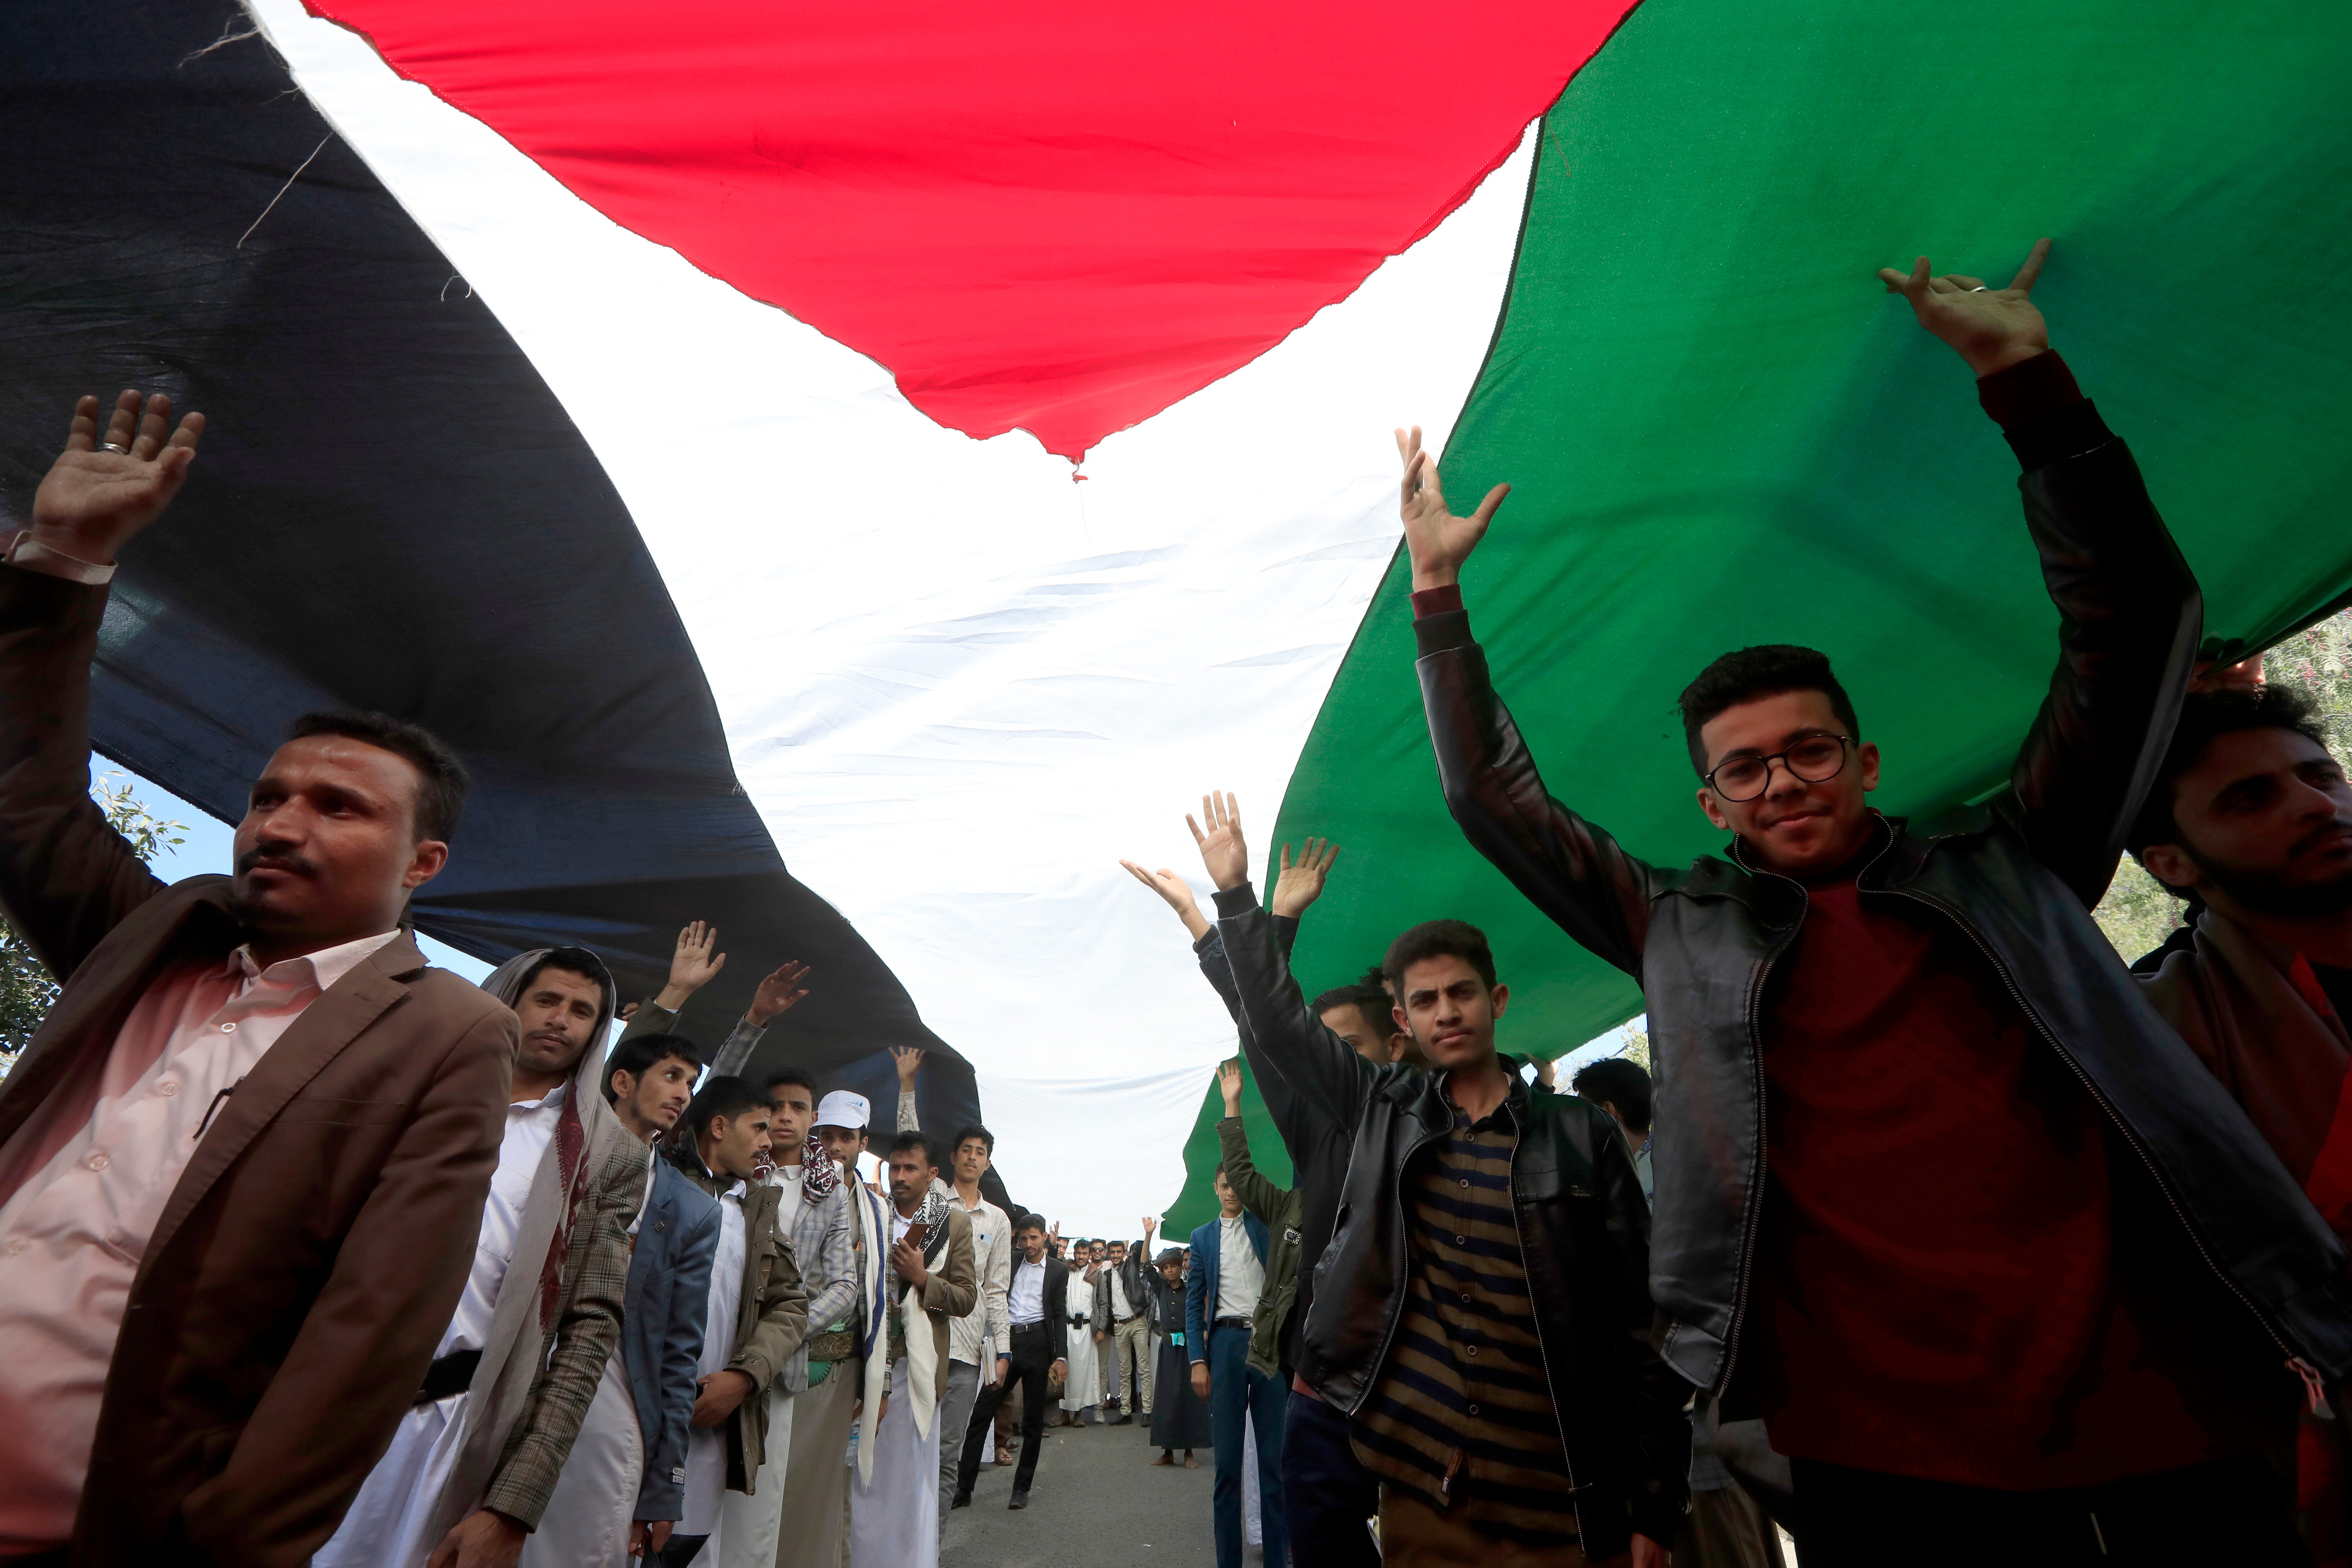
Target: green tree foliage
[
  {"x": 2137, "y": 914},
  {"x": 27, "y": 989}
]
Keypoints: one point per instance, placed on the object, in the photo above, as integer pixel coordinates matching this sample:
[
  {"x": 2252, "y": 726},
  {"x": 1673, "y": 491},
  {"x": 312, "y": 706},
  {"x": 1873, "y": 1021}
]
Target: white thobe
[
  {"x": 894, "y": 1522},
  {"x": 388, "y": 1524},
  {"x": 706, "y": 1447},
  {"x": 1082, "y": 1380},
  {"x": 750, "y": 1521}
]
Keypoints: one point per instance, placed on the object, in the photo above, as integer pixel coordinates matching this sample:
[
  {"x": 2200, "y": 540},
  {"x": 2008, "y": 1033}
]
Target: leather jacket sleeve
[
  {"x": 1319, "y": 1068},
  {"x": 1660, "y": 1430},
  {"x": 1568, "y": 867},
  {"x": 2129, "y": 615},
  {"x": 1292, "y": 1113}
]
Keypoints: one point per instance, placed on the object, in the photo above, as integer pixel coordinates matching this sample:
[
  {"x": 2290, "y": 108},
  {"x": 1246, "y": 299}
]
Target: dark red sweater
[{"x": 1938, "y": 1292}]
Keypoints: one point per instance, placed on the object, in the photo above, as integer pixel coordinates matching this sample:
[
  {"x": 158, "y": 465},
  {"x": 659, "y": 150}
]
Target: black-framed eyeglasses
[{"x": 1815, "y": 759}]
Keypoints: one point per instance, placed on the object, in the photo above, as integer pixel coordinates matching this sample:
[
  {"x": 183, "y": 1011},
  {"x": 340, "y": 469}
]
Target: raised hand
[
  {"x": 1438, "y": 541},
  {"x": 103, "y": 490},
  {"x": 1301, "y": 884},
  {"x": 1229, "y": 1080},
  {"x": 1176, "y": 891},
  {"x": 908, "y": 1059},
  {"x": 777, "y": 993},
  {"x": 1223, "y": 849},
  {"x": 692, "y": 966},
  {"x": 1990, "y": 328}
]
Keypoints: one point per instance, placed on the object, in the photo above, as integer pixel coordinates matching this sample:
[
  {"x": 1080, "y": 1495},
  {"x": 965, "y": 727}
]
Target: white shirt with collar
[
  {"x": 71, "y": 1238},
  {"x": 706, "y": 1447},
  {"x": 1241, "y": 1277},
  {"x": 1025, "y": 1301}
]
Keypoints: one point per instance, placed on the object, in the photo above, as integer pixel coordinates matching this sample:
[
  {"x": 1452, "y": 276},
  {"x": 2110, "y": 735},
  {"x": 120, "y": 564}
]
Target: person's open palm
[
  {"x": 1438, "y": 541},
  {"x": 1229, "y": 1082},
  {"x": 696, "y": 964},
  {"x": 1990, "y": 328},
  {"x": 1170, "y": 887},
  {"x": 778, "y": 992},
  {"x": 1300, "y": 882},
  {"x": 1223, "y": 850},
  {"x": 103, "y": 490}
]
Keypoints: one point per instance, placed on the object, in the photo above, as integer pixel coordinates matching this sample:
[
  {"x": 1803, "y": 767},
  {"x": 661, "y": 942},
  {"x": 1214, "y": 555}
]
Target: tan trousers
[
  {"x": 1416, "y": 1535},
  {"x": 1132, "y": 1342},
  {"x": 815, "y": 1512}
]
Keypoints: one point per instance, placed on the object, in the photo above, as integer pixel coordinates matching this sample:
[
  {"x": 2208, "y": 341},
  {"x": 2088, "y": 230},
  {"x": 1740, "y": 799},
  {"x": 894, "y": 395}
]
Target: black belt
[
  {"x": 1122, "y": 1322},
  {"x": 1037, "y": 1328},
  {"x": 452, "y": 1374},
  {"x": 1229, "y": 1323}
]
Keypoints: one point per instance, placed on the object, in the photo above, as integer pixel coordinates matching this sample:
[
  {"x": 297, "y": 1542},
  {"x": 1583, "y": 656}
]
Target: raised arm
[
  {"x": 776, "y": 995},
  {"x": 66, "y": 878},
  {"x": 1317, "y": 1064},
  {"x": 2129, "y": 612},
  {"x": 1569, "y": 868},
  {"x": 908, "y": 1061},
  {"x": 1257, "y": 1191}
]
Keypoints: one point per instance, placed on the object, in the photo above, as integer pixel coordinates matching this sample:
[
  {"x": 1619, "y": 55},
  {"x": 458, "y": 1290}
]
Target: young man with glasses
[{"x": 1937, "y": 1191}]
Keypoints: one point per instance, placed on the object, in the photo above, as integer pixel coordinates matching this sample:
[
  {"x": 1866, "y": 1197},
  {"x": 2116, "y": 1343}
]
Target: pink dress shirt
[{"x": 88, "y": 1185}]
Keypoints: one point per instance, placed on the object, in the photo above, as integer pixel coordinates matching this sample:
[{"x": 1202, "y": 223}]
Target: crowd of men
[{"x": 1942, "y": 1236}]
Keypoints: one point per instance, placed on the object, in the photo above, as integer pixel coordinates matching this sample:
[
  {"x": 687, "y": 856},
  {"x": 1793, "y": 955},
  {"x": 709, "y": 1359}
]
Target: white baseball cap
[{"x": 843, "y": 1108}]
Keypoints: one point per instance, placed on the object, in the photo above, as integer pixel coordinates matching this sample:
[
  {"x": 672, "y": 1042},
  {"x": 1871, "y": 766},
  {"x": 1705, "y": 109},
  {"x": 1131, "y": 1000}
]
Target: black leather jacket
[
  {"x": 2018, "y": 878},
  {"x": 1584, "y": 1234}
]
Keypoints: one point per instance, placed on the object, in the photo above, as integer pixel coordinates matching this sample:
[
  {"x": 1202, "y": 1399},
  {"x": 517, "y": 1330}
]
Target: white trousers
[
  {"x": 748, "y": 1522},
  {"x": 587, "y": 1524},
  {"x": 895, "y": 1522}
]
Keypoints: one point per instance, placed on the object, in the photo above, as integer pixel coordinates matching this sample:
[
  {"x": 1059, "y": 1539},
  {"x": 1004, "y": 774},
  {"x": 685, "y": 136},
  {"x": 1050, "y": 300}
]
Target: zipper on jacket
[
  {"x": 2156, "y": 1174},
  {"x": 1754, "y": 1223},
  {"x": 1403, "y": 1278},
  {"x": 1543, "y": 1358}
]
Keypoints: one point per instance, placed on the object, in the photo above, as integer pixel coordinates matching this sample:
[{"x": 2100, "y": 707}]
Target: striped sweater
[{"x": 1461, "y": 1415}]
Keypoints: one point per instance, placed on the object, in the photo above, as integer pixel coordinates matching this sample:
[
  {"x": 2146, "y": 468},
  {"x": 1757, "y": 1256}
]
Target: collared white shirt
[
  {"x": 1120, "y": 1309},
  {"x": 983, "y": 1332},
  {"x": 1241, "y": 1277},
  {"x": 1025, "y": 1302},
  {"x": 72, "y": 1235}
]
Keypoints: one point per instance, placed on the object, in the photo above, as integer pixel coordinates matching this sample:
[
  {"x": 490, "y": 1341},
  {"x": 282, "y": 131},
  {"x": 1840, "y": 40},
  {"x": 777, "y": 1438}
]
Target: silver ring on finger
[
  {"x": 114, "y": 446},
  {"x": 1979, "y": 288}
]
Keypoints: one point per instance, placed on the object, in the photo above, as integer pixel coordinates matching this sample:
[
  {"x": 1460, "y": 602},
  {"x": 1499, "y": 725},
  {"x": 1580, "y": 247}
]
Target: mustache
[
  {"x": 276, "y": 861},
  {"x": 2334, "y": 827}
]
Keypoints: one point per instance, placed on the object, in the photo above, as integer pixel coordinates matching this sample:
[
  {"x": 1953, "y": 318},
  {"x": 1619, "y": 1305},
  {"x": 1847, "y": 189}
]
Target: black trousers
[
  {"x": 1327, "y": 1493},
  {"x": 2234, "y": 1511},
  {"x": 1032, "y": 1357}
]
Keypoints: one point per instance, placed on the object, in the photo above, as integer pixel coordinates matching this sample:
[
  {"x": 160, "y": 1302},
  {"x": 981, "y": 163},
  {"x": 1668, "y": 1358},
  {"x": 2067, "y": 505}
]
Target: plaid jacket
[
  {"x": 587, "y": 1332},
  {"x": 828, "y": 1264}
]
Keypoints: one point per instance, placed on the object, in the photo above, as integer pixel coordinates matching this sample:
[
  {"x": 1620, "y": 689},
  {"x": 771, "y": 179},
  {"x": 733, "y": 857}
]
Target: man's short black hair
[
  {"x": 640, "y": 1054},
  {"x": 1753, "y": 673},
  {"x": 966, "y": 1135},
  {"x": 572, "y": 960},
  {"x": 2205, "y": 717},
  {"x": 441, "y": 777},
  {"x": 922, "y": 1141},
  {"x": 1439, "y": 939},
  {"x": 1370, "y": 1001},
  {"x": 725, "y": 1095},
  {"x": 1622, "y": 1083},
  {"x": 793, "y": 1076},
  {"x": 1035, "y": 1222}
]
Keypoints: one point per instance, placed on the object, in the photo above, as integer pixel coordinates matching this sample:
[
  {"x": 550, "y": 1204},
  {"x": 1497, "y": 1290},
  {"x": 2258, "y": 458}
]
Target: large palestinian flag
[{"x": 855, "y": 471}]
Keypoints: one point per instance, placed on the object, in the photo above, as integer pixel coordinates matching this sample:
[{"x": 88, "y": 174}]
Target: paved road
[{"x": 1096, "y": 1492}]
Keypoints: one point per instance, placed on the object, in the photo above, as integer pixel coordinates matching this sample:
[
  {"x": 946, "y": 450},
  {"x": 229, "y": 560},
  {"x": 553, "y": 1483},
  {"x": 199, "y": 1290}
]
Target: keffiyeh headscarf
[{"x": 819, "y": 1177}]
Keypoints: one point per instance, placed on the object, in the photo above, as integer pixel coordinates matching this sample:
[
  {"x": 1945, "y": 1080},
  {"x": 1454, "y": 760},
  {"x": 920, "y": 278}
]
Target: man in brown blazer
[{"x": 243, "y": 1164}]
